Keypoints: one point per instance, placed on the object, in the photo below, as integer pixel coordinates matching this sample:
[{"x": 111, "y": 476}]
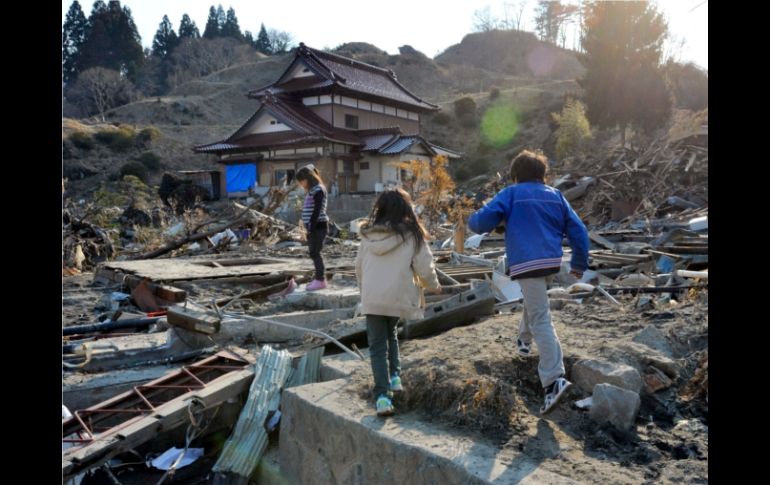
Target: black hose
[{"x": 100, "y": 327}]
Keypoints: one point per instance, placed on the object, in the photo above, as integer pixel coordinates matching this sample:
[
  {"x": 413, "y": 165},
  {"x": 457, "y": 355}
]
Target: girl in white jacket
[{"x": 393, "y": 265}]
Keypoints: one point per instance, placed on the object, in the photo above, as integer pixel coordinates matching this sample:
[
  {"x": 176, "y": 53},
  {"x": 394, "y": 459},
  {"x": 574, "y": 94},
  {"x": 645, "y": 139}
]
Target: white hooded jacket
[{"x": 392, "y": 273}]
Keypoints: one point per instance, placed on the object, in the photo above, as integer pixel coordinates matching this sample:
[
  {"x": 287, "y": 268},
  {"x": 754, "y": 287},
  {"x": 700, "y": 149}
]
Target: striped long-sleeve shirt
[{"x": 314, "y": 210}]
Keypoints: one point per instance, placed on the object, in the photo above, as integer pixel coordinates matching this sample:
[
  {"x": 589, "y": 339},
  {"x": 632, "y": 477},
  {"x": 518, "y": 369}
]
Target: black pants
[{"x": 315, "y": 242}]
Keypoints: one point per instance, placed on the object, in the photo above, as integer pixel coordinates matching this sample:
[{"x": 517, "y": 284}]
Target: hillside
[
  {"x": 213, "y": 106},
  {"x": 513, "y": 52}
]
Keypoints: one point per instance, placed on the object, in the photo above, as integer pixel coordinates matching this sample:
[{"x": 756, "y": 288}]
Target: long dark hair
[
  {"x": 311, "y": 175},
  {"x": 394, "y": 208}
]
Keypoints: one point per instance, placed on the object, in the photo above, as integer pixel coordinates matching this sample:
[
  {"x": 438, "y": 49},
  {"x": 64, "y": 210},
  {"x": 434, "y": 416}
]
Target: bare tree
[
  {"x": 518, "y": 12},
  {"x": 98, "y": 89},
  {"x": 483, "y": 20},
  {"x": 673, "y": 48},
  {"x": 199, "y": 57},
  {"x": 280, "y": 41}
]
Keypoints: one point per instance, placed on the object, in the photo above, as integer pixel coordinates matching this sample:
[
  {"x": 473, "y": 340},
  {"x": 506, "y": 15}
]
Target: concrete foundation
[
  {"x": 330, "y": 436},
  {"x": 332, "y": 297}
]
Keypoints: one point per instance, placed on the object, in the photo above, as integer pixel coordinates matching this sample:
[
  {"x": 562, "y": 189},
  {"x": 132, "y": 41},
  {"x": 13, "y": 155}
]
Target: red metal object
[{"x": 116, "y": 413}]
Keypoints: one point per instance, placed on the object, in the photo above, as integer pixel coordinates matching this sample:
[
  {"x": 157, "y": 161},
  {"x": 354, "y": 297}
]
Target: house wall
[
  {"x": 297, "y": 71},
  {"x": 368, "y": 120},
  {"x": 368, "y": 178},
  {"x": 266, "y": 124},
  {"x": 324, "y": 111}
]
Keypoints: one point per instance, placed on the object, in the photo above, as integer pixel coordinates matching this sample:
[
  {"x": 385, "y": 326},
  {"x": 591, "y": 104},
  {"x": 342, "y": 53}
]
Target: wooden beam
[
  {"x": 445, "y": 279},
  {"x": 193, "y": 320},
  {"x": 165, "y": 292},
  {"x": 267, "y": 290},
  {"x": 600, "y": 240}
]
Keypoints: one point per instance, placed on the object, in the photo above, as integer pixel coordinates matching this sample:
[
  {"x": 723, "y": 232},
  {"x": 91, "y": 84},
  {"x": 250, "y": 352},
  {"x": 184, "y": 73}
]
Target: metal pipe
[
  {"x": 99, "y": 327},
  {"x": 288, "y": 325}
]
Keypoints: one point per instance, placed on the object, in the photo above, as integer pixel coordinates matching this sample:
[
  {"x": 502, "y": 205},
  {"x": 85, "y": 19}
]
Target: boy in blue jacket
[{"x": 536, "y": 218}]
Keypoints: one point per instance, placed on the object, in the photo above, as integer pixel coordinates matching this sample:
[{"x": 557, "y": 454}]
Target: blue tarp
[{"x": 240, "y": 178}]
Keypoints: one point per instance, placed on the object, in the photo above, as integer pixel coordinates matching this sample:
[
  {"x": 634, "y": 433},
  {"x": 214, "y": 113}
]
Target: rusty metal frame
[{"x": 139, "y": 402}]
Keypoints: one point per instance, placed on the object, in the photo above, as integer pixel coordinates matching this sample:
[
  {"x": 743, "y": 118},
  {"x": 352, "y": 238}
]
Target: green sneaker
[
  {"x": 395, "y": 383},
  {"x": 384, "y": 406}
]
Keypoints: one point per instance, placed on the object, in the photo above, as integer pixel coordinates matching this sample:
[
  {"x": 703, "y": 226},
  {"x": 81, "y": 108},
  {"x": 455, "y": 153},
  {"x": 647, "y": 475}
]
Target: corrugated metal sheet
[{"x": 243, "y": 450}]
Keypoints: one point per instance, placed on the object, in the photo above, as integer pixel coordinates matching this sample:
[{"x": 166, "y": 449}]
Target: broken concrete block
[
  {"x": 655, "y": 380},
  {"x": 587, "y": 373},
  {"x": 645, "y": 302},
  {"x": 332, "y": 297},
  {"x": 614, "y": 405},
  {"x": 640, "y": 356},
  {"x": 655, "y": 339},
  {"x": 636, "y": 280}
]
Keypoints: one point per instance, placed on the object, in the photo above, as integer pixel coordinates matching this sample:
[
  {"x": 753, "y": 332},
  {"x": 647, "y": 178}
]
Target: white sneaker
[
  {"x": 553, "y": 393},
  {"x": 524, "y": 349}
]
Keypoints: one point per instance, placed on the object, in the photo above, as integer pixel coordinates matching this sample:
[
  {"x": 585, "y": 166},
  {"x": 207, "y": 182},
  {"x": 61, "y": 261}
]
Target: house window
[
  {"x": 274, "y": 122},
  {"x": 364, "y": 165},
  {"x": 347, "y": 166},
  {"x": 351, "y": 121},
  {"x": 306, "y": 70}
]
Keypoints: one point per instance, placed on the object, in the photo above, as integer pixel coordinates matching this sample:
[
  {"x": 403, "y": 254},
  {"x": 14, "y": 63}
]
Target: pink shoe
[{"x": 316, "y": 285}]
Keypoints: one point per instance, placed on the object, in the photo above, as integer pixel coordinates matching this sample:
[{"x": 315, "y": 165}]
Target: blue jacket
[{"x": 537, "y": 217}]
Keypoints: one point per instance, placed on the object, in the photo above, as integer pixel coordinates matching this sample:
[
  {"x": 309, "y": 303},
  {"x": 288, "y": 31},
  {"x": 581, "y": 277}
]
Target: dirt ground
[{"x": 471, "y": 379}]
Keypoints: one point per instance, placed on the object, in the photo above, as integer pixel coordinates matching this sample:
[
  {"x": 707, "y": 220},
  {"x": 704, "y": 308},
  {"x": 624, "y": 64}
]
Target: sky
[{"x": 429, "y": 26}]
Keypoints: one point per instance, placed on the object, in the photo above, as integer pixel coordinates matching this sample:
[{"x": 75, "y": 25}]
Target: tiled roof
[{"x": 350, "y": 75}]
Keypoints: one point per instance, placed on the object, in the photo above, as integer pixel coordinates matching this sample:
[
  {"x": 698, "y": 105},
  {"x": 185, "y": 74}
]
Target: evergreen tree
[
  {"x": 188, "y": 29},
  {"x": 165, "y": 39},
  {"x": 212, "y": 25},
  {"x": 231, "y": 27},
  {"x": 263, "y": 41},
  {"x": 73, "y": 36}
]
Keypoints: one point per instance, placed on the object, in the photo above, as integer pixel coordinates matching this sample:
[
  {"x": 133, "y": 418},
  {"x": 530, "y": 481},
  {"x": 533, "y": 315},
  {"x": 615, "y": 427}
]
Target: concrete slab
[
  {"x": 237, "y": 330},
  {"x": 331, "y": 297},
  {"x": 340, "y": 366},
  {"x": 205, "y": 267},
  {"x": 329, "y": 435}
]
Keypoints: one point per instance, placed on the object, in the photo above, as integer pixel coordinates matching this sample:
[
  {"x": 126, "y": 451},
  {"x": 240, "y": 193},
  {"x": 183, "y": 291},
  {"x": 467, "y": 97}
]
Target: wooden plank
[
  {"x": 141, "y": 431},
  {"x": 445, "y": 279},
  {"x": 260, "y": 292},
  {"x": 474, "y": 261},
  {"x": 194, "y": 320},
  {"x": 168, "y": 293},
  {"x": 615, "y": 258},
  {"x": 459, "y": 237},
  {"x": 602, "y": 241},
  {"x": 687, "y": 249},
  {"x": 201, "y": 268},
  {"x": 269, "y": 279},
  {"x": 639, "y": 257}
]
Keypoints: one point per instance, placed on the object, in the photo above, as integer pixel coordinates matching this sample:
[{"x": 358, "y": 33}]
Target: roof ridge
[{"x": 354, "y": 62}]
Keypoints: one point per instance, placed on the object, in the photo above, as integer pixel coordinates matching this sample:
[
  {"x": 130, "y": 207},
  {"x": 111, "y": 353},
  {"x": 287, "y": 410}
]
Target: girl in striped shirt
[{"x": 316, "y": 221}]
